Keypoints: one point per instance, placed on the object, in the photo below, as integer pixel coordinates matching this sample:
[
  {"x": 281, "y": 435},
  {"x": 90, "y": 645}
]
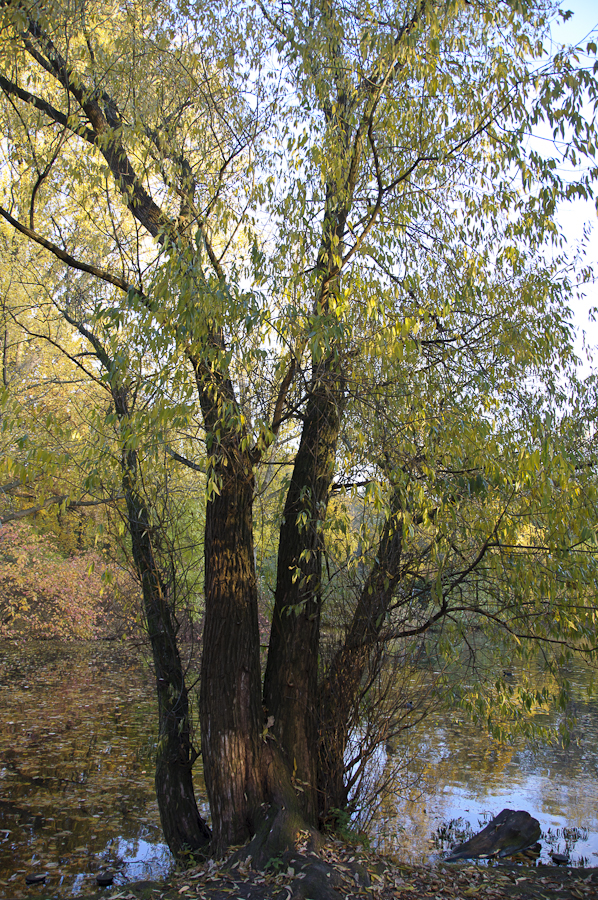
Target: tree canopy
[{"x": 305, "y": 263}]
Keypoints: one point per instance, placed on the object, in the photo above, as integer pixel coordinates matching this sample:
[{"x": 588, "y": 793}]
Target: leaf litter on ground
[{"x": 350, "y": 873}]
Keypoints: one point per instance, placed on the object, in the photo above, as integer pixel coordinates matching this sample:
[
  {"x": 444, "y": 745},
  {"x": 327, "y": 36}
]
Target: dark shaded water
[{"x": 77, "y": 741}]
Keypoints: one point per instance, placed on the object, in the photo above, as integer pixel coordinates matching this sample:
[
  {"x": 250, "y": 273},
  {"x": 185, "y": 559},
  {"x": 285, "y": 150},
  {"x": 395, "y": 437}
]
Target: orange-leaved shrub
[{"x": 44, "y": 594}]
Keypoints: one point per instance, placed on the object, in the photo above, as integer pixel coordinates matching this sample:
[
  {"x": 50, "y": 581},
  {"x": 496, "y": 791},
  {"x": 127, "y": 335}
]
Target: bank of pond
[{"x": 77, "y": 742}]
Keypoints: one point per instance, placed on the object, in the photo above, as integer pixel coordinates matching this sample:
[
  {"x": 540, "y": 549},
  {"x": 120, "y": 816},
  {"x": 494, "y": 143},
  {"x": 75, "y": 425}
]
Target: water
[
  {"x": 77, "y": 742},
  {"x": 467, "y": 779}
]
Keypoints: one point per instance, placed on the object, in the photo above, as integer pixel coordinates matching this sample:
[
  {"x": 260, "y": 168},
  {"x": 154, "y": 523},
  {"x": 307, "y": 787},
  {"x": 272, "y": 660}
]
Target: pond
[
  {"x": 77, "y": 739},
  {"x": 467, "y": 779}
]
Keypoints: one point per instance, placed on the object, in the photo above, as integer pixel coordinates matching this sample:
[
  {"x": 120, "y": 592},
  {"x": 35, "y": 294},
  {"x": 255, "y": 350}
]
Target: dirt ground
[{"x": 339, "y": 872}]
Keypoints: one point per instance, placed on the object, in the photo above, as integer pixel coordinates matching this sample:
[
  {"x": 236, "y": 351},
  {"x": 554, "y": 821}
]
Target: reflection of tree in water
[
  {"x": 76, "y": 763},
  {"x": 383, "y": 755},
  {"x": 422, "y": 763},
  {"x": 408, "y": 744},
  {"x": 466, "y": 778}
]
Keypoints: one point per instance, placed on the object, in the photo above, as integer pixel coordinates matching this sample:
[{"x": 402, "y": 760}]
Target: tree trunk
[
  {"x": 230, "y": 706},
  {"x": 339, "y": 691},
  {"x": 290, "y": 683},
  {"x": 5, "y": 357},
  {"x": 183, "y": 827},
  {"x": 231, "y": 713}
]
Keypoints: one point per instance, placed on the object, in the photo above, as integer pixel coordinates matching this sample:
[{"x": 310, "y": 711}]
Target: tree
[{"x": 321, "y": 240}]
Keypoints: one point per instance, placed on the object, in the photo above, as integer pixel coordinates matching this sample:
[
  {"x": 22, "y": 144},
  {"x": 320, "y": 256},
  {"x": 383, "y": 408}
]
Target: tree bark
[
  {"x": 230, "y": 706},
  {"x": 183, "y": 827},
  {"x": 230, "y": 700},
  {"x": 339, "y": 691},
  {"x": 5, "y": 357},
  {"x": 290, "y": 683}
]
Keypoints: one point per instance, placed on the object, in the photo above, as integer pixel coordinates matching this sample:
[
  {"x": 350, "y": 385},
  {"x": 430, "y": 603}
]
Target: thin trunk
[
  {"x": 290, "y": 683},
  {"x": 183, "y": 827},
  {"x": 5, "y": 357},
  {"x": 339, "y": 691}
]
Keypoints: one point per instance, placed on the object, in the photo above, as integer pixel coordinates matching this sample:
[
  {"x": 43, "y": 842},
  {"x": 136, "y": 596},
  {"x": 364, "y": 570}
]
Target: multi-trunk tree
[{"x": 321, "y": 241}]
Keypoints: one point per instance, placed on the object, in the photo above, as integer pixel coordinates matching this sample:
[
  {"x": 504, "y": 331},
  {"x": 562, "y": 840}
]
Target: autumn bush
[{"x": 46, "y": 594}]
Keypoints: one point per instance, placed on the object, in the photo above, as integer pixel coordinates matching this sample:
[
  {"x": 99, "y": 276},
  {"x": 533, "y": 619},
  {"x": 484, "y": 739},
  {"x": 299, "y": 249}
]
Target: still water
[
  {"x": 77, "y": 741},
  {"x": 467, "y": 779},
  {"x": 77, "y": 738}
]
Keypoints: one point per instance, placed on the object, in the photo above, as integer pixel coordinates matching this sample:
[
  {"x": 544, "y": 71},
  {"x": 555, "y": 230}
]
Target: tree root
[{"x": 285, "y": 846}]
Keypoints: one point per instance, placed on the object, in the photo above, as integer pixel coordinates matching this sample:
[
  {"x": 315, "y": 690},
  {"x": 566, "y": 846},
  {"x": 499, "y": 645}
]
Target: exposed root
[{"x": 311, "y": 867}]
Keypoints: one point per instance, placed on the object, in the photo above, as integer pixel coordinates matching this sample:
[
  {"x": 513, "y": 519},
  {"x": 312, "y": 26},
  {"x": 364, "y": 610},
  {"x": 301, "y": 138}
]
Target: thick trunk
[
  {"x": 279, "y": 822},
  {"x": 231, "y": 713},
  {"x": 230, "y": 707},
  {"x": 182, "y": 825},
  {"x": 339, "y": 691},
  {"x": 290, "y": 683}
]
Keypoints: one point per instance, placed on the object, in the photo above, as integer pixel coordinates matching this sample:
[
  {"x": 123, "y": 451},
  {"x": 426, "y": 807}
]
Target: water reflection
[
  {"x": 467, "y": 779},
  {"x": 77, "y": 741}
]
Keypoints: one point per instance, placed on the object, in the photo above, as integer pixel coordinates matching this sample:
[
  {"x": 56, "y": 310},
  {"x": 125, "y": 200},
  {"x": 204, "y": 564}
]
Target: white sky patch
[{"x": 580, "y": 216}]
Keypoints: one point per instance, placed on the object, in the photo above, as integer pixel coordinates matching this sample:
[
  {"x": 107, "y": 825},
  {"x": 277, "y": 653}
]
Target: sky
[{"x": 574, "y": 216}]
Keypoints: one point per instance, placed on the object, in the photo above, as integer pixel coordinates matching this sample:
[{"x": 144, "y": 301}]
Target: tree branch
[
  {"x": 282, "y": 393},
  {"x": 106, "y": 124},
  {"x": 9, "y": 87},
  {"x": 51, "y": 501},
  {"x": 67, "y": 258},
  {"x": 185, "y": 462}
]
